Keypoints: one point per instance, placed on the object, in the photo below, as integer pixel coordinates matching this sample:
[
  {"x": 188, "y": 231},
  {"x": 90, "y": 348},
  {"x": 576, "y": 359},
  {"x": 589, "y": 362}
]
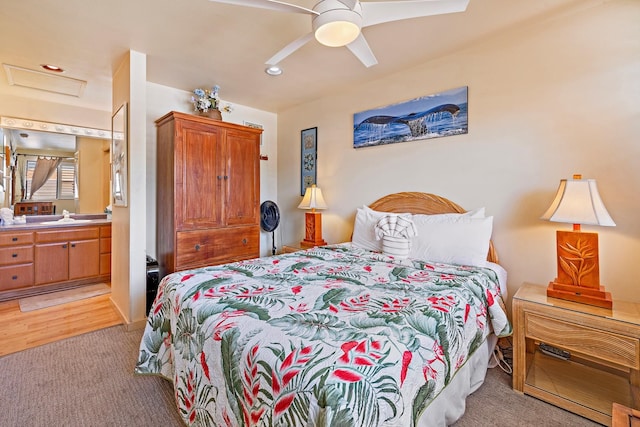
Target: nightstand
[
  {"x": 287, "y": 249},
  {"x": 602, "y": 345}
]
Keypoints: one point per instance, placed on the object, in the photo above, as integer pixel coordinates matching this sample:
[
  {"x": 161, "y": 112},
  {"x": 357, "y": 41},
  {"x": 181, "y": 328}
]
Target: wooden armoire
[{"x": 208, "y": 192}]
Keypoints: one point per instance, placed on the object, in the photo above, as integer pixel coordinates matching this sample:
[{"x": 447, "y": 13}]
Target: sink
[{"x": 65, "y": 221}]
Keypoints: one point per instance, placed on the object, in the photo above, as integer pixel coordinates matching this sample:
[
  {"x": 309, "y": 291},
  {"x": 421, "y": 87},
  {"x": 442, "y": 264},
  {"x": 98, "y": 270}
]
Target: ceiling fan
[{"x": 339, "y": 22}]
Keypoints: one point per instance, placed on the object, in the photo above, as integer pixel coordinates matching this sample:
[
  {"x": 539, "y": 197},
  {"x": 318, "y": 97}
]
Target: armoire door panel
[
  {"x": 201, "y": 181},
  {"x": 242, "y": 202}
]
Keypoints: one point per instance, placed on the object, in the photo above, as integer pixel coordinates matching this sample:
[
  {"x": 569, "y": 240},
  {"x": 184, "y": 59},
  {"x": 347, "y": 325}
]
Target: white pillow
[
  {"x": 453, "y": 240},
  {"x": 366, "y": 219},
  {"x": 476, "y": 213}
]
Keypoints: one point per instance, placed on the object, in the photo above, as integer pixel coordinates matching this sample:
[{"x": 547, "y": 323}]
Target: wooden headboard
[{"x": 423, "y": 203}]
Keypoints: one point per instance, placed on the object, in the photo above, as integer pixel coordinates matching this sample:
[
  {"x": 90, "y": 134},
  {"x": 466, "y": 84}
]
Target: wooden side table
[
  {"x": 603, "y": 347},
  {"x": 287, "y": 249}
]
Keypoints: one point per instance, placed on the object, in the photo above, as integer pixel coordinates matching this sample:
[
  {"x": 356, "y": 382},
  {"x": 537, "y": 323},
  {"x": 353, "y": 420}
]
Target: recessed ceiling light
[
  {"x": 274, "y": 70},
  {"x": 53, "y": 68}
]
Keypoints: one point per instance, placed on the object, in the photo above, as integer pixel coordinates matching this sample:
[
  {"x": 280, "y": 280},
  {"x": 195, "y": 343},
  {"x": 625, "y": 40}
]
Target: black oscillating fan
[{"x": 269, "y": 219}]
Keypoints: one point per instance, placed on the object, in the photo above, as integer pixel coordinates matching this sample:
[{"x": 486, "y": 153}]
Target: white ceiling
[{"x": 198, "y": 43}]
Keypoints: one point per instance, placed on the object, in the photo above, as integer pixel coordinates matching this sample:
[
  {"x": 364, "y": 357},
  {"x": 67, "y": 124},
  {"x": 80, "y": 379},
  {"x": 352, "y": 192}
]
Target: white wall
[
  {"x": 161, "y": 100},
  {"x": 545, "y": 102},
  {"x": 128, "y": 271}
]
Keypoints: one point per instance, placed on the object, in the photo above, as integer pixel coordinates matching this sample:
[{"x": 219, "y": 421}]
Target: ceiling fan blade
[
  {"x": 378, "y": 12},
  {"x": 360, "y": 48},
  {"x": 289, "y": 49},
  {"x": 270, "y": 5},
  {"x": 351, "y": 4}
]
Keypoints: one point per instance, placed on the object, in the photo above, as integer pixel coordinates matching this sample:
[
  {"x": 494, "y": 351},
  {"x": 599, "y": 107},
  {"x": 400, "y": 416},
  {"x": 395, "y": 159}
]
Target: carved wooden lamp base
[
  {"x": 313, "y": 230},
  {"x": 578, "y": 270},
  {"x": 598, "y": 297}
]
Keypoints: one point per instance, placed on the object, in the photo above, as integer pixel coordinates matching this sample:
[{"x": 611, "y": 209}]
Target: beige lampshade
[
  {"x": 577, "y": 201},
  {"x": 312, "y": 199}
]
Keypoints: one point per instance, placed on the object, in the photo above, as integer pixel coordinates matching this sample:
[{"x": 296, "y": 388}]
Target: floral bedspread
[{"x": 332, "y": 336}]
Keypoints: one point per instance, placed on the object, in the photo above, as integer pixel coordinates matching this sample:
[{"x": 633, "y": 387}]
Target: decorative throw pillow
[
  {"x": 397, "y": 247},
  {"x": 364, "y": 234},
  {"x": 396, "y": 232}
]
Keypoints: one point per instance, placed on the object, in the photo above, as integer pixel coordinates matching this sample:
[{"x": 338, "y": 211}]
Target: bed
[{"x": 339, "y": 335}]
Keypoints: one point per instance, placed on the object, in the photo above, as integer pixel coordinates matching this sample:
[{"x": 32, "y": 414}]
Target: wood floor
[{"x": 20, "y": 331}]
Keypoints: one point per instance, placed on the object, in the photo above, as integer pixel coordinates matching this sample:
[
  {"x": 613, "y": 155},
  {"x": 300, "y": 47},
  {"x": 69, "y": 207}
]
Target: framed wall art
[
  {"x": 309, "y": 157},
  {"x": 430, "y": 116},
  {"x": 119, "y": 154}
]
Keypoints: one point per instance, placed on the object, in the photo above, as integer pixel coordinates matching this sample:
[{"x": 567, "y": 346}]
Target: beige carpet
[
  {"x": 88, "y": 381},
  {"x": 56, "y": 298}
]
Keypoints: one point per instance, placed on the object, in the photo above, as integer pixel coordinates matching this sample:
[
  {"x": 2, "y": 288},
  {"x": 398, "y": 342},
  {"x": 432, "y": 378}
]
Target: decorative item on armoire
[
  {"x": 206, "y": 102},
  {"x": 308, "y": 158},
  {"x": 577, "y": 202}
]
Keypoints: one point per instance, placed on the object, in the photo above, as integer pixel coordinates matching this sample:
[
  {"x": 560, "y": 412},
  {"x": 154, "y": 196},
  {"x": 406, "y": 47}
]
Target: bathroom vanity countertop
[{"x": 46, "y": 221}]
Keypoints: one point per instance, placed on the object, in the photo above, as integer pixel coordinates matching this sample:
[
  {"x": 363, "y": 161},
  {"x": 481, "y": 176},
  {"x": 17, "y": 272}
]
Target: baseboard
[
  {"x": 129, "y": 326},
  {"x": 136, "y": 326}
]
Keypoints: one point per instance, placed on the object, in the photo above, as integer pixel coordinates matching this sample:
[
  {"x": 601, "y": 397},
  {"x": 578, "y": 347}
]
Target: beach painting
[{"x": 430, "y": 116}]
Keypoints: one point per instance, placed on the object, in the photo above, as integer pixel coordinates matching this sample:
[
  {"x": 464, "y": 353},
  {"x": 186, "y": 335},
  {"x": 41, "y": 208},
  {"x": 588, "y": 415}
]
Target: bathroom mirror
[
  {"x": 80, "y": 175},
  {"x": 119, "y": 151}
]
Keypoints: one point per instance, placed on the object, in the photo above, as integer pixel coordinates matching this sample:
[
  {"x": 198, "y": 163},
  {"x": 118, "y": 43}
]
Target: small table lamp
[
  {"x": 313, "y": 220},
  {"x": 578, "y": 202}
]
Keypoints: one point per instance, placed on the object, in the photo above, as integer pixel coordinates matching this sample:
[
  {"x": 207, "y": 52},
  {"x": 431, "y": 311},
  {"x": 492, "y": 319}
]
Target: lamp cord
[{"x": 502, "y": 356}]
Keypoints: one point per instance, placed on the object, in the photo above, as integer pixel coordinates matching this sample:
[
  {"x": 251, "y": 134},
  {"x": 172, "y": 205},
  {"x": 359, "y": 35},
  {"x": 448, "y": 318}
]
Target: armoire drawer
[{"x": 217, "y": 246}]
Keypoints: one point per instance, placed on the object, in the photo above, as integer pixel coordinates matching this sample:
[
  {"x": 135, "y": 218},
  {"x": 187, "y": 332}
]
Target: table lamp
[
  {"x": 578, "y": 202},
  {"x": 313, "y": 220}
]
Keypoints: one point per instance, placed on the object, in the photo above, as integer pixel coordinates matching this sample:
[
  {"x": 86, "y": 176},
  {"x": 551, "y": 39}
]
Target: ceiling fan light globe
[
  {"x": 336, "y": 27},
  {"x": 337, "y": 33}
]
